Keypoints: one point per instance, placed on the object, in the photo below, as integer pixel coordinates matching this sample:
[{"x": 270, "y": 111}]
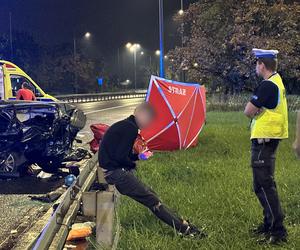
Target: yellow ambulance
[{"x": 11, "y": 80}]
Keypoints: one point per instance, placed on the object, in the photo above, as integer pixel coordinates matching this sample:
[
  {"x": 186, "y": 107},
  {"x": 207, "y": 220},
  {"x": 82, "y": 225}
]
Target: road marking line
[{"x": 116, "y": 107}]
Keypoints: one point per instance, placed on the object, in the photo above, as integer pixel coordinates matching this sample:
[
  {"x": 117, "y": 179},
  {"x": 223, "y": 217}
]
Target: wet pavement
[
  {"x": 15, "y": 204},
  {"x": 106, "y": 112}
]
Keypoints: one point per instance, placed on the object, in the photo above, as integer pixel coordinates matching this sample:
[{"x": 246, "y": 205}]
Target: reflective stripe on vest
[{"x": 273, "y": 123}]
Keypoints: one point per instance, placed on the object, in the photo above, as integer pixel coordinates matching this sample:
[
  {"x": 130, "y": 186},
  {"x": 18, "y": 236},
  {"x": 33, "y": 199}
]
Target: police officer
[{"x": 268, "y": 111}]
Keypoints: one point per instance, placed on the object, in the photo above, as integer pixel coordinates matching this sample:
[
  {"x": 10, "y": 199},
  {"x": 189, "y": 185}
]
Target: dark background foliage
[{"x": 219, "y": 36}]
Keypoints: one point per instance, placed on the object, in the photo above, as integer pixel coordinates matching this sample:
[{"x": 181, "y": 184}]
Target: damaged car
[{"x": 36, "y": 133}]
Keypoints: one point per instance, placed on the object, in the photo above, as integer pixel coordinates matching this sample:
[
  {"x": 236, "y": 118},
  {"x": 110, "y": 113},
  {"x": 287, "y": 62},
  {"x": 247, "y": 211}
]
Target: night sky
[{"x": 112, "y": 23}]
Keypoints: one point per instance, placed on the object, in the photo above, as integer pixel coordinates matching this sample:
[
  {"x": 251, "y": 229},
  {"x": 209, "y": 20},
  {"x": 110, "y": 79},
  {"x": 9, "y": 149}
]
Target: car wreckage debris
[{"x": 37, "y": 133}]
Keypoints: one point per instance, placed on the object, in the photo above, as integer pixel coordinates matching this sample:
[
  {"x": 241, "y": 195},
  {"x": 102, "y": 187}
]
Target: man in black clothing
[
  {"x": 117, "y": 159},
  {"x": 268, "y": 111}
]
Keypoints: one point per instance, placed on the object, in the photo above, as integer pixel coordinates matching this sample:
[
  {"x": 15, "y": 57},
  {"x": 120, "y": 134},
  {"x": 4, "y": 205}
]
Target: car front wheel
[{"x": 8, "y": 164}]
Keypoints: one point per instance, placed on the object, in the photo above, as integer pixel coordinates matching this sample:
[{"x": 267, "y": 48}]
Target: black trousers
[
  {"x": 128, "y": 184},
  {"x": 263, "y": 166}
]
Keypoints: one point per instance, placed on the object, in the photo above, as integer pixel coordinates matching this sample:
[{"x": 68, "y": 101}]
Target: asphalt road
[
  {"x": 106, "y": 112},
  {"x": 15, "y": 204}
]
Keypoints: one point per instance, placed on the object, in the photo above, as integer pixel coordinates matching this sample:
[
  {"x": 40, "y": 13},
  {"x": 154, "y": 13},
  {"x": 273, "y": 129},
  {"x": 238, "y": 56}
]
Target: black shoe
[
  {"x": 194, "y": 232},
  {"x": 262, "y": 229},
  {"x": 277, "y": 239}
]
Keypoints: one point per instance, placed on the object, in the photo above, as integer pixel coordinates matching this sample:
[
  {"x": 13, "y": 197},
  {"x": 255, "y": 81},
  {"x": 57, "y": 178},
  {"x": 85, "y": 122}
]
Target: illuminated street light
[
  {"x": 134, "y": 48},
  {"x": 142, "y": 53},
  {"x": 196, "y": 65},
  {"x": 128, "y": 45},
  {"x": 157, "y": 52},
  {"x": 87, "y": 35},
  {"x": 166, "y": 57},
  {"x": 181, "y": 12}
]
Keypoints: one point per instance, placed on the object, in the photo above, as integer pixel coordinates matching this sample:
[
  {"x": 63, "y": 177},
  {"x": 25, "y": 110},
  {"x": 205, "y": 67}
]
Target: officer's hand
[{"x": 145, "y": 155}]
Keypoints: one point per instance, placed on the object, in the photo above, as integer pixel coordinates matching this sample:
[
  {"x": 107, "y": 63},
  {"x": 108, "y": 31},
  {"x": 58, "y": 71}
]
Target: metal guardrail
[
  {"x": 55, "y": 232},
  {"x": 78, "y": 98}
]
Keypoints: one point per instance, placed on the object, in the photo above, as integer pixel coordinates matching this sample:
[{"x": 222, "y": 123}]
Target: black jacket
[{"x": 116, "y": 147}]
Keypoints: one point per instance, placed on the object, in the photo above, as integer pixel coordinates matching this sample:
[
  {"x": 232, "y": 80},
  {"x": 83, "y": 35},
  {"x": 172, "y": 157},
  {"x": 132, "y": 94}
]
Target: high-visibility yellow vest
[{"x": 272, "y": 123}]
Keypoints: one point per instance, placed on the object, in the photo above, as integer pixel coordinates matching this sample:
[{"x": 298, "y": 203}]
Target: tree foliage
[
  {"x": 54, "y": 68},
  {"x": 219, "y": 36}
]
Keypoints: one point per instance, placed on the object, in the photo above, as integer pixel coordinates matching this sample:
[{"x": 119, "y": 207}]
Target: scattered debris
[
  {"x": 74, "y": 170},
  {"x": 44, "y": 175},
  {"x": 78, "y": 154},
  {"x": 70, "y": 179},
  {"x": 49, "y": 197},
  {"x": 79, "y": 231}
]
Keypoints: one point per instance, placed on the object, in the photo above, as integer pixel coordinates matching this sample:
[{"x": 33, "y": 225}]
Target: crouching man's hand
[{"x": 145, "y": 155}]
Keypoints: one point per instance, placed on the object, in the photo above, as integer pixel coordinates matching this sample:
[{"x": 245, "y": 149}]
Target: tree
[
  {"x": 219, "y": 36},
  {"x": 26, "y": 52},
  {"x": 53, "y": 68},
  {"x": 60, "y": 72}
]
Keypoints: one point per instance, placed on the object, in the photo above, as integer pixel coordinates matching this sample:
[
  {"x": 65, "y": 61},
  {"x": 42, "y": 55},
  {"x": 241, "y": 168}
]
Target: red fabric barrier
[{"x": 181, "y": 114}]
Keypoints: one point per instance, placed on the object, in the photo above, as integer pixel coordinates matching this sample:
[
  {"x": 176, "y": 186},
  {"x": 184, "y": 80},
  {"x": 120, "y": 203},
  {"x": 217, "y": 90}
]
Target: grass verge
[{"x": 211, "y": 185}]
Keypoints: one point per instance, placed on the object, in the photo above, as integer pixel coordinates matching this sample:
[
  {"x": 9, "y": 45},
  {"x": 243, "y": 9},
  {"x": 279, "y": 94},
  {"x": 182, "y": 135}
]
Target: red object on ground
[
  {"x": 99, "y": 130},
  {"x": 181, "y": 114}
]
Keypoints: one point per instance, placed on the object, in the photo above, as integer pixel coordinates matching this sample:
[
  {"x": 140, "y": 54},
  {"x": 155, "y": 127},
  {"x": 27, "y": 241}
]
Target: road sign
[{"x": 100, "y": 81}]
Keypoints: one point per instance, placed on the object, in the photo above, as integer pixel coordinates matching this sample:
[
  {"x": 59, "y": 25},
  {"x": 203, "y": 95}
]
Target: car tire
[
  {"x": 78, "y": 119},
  {"x": 13, "y": 165},
  {"x": 9, "y": 165}
]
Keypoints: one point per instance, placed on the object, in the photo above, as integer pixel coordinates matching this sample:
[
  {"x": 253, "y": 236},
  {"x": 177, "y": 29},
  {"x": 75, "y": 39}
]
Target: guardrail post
[{"x": 105, "y": 218}]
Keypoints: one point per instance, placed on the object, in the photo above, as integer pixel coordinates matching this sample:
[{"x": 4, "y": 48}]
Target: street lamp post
[
  {"x": 75, "y": 70},
  {"x": 134, "y": 48},
  {"x": 74, "y": 47},
  {"x": 161, "y": 38},
  {"x": 181, "y": 12},
  {"x": 87, "y": 35},
  {"x": 10, "y": 38},
  {"x": 134, "y": 59}
]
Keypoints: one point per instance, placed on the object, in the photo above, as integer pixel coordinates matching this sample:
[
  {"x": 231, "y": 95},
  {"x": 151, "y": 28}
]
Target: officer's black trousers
[
  {"x": 128, "y": 184},
  {"x": 263, "y": 166}
]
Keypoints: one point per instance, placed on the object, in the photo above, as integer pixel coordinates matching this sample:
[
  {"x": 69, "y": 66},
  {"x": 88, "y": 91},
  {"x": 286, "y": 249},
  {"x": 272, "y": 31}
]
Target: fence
[{"x": 220, "y": 102}]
